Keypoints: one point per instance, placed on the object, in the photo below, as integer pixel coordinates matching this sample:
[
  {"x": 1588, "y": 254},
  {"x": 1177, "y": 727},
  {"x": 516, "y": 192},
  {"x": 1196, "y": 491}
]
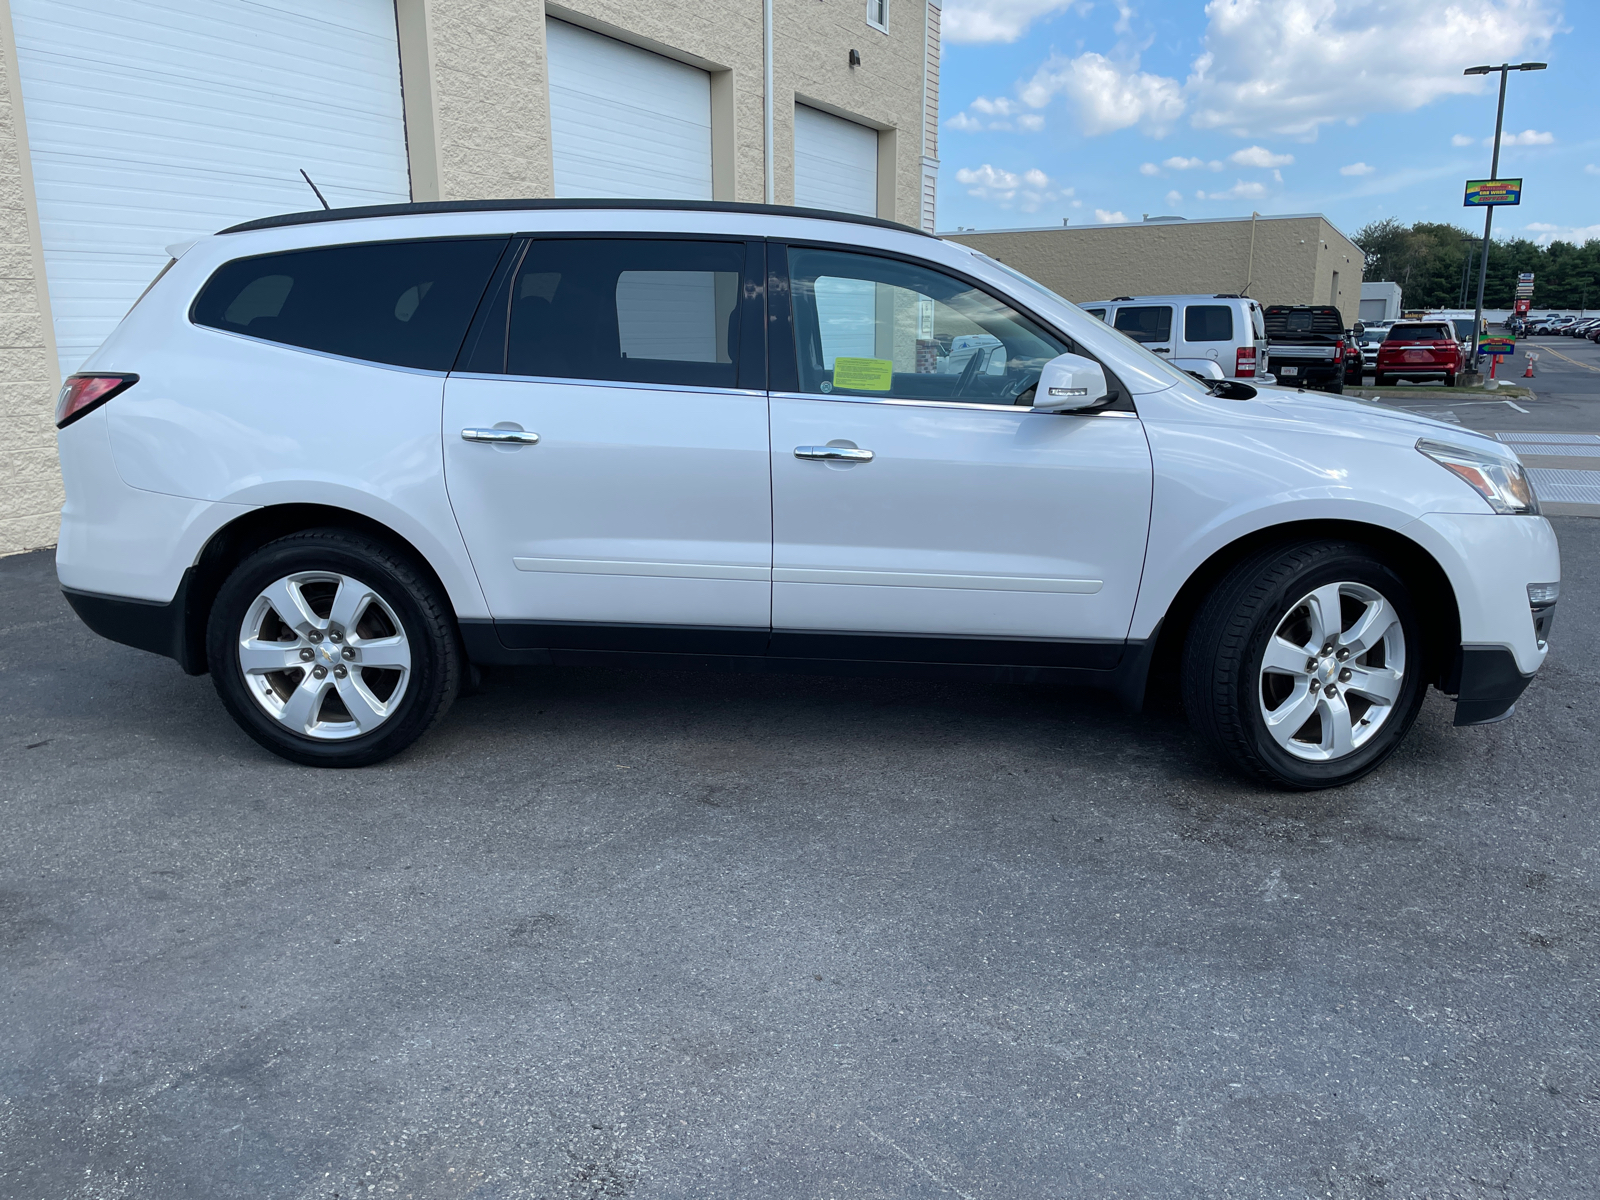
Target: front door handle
[
  {"x": 501, "y": 437},
  {"x": 833, "y": 453}
]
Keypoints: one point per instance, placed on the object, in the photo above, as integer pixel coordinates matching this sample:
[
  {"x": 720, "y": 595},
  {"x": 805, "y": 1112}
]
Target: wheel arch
[
  {"x": 1422, "y": 572},
  {"x": 244, "y": 535}
]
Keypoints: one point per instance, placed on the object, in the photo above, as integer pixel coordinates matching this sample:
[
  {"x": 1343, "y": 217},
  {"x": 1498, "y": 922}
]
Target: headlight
[{"x": 1503, "y": 484}]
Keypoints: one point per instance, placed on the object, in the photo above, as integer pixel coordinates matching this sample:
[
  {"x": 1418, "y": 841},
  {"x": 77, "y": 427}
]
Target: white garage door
[
  {"x": 835, "y": 163},
  {"x": 156, "y": 121},
  {"x": 625, "y": 122}
]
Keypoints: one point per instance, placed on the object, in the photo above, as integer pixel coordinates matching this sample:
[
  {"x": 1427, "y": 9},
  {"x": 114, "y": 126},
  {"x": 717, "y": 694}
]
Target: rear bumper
[
  {"x": 1489, "y": 684},
  {"x": 161, "y": 627}
]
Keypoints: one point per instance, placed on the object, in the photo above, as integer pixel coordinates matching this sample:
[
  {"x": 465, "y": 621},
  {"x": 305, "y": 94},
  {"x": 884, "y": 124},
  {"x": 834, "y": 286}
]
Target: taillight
[
  {"x": 1338, "y": 351},
  {"x": 82, "y": 394},
  {"x": 1244, "y": 362},
  {"x": 1445, "y": 345}
]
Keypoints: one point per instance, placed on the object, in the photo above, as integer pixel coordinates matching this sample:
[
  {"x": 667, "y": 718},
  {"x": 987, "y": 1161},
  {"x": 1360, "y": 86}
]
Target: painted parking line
[{"x": 1565, "y": 359}]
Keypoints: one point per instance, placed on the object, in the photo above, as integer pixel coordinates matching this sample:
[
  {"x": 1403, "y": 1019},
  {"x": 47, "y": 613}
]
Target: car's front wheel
[
  {"x": 332, "y": 649},
  {"x": 1304, "y": 666}
]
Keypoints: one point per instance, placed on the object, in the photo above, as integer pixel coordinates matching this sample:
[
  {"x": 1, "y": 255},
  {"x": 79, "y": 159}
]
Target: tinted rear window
[
  {"x": 403, "y": 303},
  {"x": 1208, "y": 323},
  {"x": 1420, "y": 333},
  {"x": 1303, "y": 320},
  {"x": 1146, "y": 322}
]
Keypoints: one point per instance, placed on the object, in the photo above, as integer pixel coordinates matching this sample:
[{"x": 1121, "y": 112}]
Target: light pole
[{"x": 1494, "y": 173}]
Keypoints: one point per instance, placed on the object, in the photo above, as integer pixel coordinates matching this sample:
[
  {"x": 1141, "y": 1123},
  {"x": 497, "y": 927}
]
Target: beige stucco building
[
  {"x": 1277, "y": 260},
  {"x": 127, "y": 126}
]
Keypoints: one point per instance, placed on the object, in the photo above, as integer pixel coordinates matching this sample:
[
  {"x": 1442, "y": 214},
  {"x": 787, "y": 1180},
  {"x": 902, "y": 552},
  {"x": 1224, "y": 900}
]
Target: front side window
[
  {"x": 869, "y": 326},
  {"x": 1208, "y": 323},
  {"x": 1146, "y": 322},
  {"x": 407, "y": 304},
  {"x": 627, "y": 309}
]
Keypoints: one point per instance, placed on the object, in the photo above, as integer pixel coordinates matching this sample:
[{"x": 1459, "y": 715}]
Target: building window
[{"x": 878, "y": 14}]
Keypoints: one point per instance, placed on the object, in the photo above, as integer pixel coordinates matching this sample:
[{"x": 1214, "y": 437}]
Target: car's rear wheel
[
  {"x": 1382, "y": 380},
  {"x": 1304, "y": 665},
  {"x": 1450, "y": 380},
  {"x": 332, "y": 649}
]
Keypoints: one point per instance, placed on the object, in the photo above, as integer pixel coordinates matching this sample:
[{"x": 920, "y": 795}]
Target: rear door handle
[
  {"x": 502, "y": 437},
  {"x": 833, "y": 453}
]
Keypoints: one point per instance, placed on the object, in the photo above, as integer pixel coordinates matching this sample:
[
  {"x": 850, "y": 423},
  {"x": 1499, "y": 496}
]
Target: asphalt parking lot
[{"x": 610, "y": 934}]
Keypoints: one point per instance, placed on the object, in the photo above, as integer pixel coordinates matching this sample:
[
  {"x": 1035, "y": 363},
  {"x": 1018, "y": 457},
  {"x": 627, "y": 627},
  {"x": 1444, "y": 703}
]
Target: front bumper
[{"x": 1488, "y": 684}]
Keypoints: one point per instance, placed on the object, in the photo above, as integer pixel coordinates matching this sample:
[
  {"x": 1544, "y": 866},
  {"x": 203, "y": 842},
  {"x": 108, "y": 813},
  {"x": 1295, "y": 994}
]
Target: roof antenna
[{"x": 307, "y": 178}]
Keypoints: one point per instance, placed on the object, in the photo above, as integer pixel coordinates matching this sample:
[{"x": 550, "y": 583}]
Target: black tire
[
  {"x": 407, "y": 595},
  {"x": 1222, "y": 682},
  {"x": 1450, "y": 381},
  {"x": 1381, "y": 380},
  {"x": 1336, "y": 388}
]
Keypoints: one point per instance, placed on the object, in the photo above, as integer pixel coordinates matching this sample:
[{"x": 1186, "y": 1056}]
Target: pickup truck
[{"x": 1306, "y": 345}]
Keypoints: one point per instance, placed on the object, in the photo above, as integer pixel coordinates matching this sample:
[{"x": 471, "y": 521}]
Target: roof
[
  {"x": 1151, "y": 224},
  {"x": 463, "y": 206},
  {"x": 1173, "y": 296}
]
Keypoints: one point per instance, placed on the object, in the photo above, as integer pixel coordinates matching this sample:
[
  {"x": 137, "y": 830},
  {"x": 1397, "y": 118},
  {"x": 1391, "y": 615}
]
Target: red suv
[{"x": 1419, "y": 350}]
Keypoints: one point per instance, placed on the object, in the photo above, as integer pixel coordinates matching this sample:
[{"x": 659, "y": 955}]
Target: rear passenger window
[
  {"x": 1208, "y": 323},
  {"x": 634, "y": 310},
  {"x": 407, "y": 304},
  {"x": 1146, "y": 322},
  {"x": 1099, "y": 314}
]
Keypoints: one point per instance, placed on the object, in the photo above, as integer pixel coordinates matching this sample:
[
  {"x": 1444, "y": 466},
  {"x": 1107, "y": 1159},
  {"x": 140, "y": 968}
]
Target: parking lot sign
[{"x": 1485, "y": 193}]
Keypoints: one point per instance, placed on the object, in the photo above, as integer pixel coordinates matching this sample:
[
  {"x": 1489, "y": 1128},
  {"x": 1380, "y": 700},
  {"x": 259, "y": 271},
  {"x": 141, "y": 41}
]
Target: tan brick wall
[
  {"x": 1293, "y": 261},
  {"x": 30, "y": 478}
]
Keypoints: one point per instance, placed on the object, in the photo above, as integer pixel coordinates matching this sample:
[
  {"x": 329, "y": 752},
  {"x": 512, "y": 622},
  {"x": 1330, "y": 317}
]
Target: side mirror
[{"x": 1069, "y": 383}]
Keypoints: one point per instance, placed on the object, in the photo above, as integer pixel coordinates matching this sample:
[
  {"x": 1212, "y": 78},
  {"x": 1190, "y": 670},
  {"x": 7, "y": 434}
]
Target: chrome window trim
[
  {"x": 345, "y": 358},
  {"x": 609, "y": 383},
  {"x": 903, "y": 402}
]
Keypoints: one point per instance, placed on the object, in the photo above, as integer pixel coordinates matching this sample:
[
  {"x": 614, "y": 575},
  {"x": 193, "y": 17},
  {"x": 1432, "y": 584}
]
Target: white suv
[
  {"x": 339, "y": 458},
  {"x": 1221, "y": 336}
]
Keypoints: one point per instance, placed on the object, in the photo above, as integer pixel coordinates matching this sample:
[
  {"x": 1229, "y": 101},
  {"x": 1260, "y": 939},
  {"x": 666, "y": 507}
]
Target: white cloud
[
  {"x": 1259, "y": 156},
  {"x": 1528, "y": 137},
  {"x": 1174, "y": 198},
  {"x": 1291, "y": 66},
  {"x": 1149, "y": 169},
  {"x": 1359, "y": 168},
  {"x": 1000, "y": 113},
  {"x": 1241, "y": 190},
  {"x": 1106, "y": 96},
  {"x": 1461, "y": 139},
  {"x": 1545, "y": 233},
  {"x": 1109, "y": 218},
  {"x": 999, "y": 20},
  {"x": 1591, "y": 169},
  {"x": 1027, "y": 191},
  {"x": 1179, "y": 163}
]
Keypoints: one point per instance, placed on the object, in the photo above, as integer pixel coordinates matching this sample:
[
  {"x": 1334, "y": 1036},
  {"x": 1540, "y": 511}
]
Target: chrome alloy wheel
[
  {"x": 324, "y": 655},
  {"x": 1332, "y": 672}
]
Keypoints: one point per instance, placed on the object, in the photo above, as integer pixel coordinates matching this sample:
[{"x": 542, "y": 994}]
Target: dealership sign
[{"x": 1481, "y": 193}]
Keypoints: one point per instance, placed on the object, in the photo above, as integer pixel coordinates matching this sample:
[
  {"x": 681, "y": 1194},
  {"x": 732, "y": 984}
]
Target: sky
[{"x": 1108, "y": 110}]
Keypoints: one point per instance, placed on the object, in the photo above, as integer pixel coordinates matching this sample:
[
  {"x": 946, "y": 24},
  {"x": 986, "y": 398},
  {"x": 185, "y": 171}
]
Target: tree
[{"x": 1430, "y": 261}]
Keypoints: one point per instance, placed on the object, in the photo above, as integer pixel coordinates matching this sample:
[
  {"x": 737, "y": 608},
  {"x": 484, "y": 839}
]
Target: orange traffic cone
[{"x": 1528, "y": 374}]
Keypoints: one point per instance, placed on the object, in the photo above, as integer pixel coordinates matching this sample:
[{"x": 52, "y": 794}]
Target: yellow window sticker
[{"x": 863, "y": 374}]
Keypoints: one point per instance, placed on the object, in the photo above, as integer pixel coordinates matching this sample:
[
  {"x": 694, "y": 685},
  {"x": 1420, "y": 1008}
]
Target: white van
[{"x": 1194, "y": 331}]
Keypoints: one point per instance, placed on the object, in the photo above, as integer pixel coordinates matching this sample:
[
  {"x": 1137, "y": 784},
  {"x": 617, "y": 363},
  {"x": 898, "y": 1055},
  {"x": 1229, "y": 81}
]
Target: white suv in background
[
  {"x": 337, "y": 458},
  {"x": 1221, "y": 337}
]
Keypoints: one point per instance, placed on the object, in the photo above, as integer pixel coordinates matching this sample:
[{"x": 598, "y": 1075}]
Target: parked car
[
  {"x": 340, "y": 459},
  {"x": 1306, "y": 345},
  {"x": 1582, "y": 328},
  {"x": 1465, "y": 337},
  {"x": 1193, "y": 332},
  {"x": 1419, "y": 350},
  {"x": 1368, "y": 338}
]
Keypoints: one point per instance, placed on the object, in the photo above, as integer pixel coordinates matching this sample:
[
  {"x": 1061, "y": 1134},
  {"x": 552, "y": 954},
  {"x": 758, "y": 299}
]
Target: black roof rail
[
  {"x": 463, "y": 206},
  {"x": 1228, "y": 296},
  {"x": 1114, "y": 299}
]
